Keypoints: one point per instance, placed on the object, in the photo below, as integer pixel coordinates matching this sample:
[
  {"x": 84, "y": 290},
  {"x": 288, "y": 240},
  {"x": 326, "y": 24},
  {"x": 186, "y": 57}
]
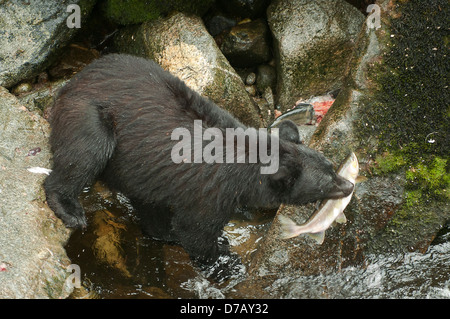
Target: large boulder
[
  {"x": 182, "y": 45},
  {"x": 32, "y": 257},
  {"x": 403, "y": 204},
  {"x": 313, "y": 42},
  {"x": 31, "y": 34}
]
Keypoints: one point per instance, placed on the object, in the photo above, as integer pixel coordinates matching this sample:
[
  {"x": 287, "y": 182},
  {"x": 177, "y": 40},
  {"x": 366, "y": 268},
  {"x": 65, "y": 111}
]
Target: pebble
[
  {"x": 251, "y": 79},
  {"x": 24, "y": 87}
]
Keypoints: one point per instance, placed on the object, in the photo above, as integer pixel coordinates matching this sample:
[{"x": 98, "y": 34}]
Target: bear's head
[{"x": 305, "y": 175}]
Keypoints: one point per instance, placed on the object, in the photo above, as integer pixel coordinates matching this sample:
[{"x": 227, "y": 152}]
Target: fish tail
[{"x": 288, "y": 227}]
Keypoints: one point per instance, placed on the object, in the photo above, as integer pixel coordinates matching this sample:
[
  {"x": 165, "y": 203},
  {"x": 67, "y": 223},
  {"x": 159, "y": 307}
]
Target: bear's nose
[{"x": 346, "y": 187}]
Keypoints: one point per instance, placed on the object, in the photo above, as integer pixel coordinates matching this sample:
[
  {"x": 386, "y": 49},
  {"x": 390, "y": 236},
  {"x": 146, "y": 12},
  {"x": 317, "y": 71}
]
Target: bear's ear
[
  {"x": 283, "y": 179},
  {"x": 289, "y": 132}
]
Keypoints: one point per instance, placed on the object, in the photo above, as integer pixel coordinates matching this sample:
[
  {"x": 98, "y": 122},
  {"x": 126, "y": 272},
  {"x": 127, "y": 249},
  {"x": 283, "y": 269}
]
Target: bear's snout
[
  {"x": 343, "y": 188},
  {"x": 346, "y": 187}
]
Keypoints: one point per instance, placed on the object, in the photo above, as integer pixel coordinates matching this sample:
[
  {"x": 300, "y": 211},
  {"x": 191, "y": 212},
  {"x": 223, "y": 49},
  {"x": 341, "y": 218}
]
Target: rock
[
  {"x": 245, "y": 8},
  {"x": 251, "y": 90},
  {"x": 306, "y": 132},
  {"x": 268, "y": 96},
  {"x": 218, "y": 23},
  {"x": 137, "y": 11},
  {"x": 247, "y": 44},
  {"x": 31, "y": 35},
  {"x": 313, "y": 42},
  {"x": 250, "y": 79},
  {"x": 24, "y": 87},
  {"x": 31, "y": 237},
  {"x": 73, "y": 60},
  {"x": 40, "y": 100},
  {"x": 267, "y": 77},
  {"x": 182, "y": 46}
]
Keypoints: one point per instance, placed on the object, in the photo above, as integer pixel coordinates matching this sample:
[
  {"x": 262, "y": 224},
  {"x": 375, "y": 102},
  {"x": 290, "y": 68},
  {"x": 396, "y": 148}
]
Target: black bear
[{"x": 115, "y": 121}]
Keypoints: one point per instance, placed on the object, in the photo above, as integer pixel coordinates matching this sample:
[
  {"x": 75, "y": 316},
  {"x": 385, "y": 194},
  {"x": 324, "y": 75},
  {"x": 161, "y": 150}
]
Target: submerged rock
[
  {"x": 313, "y": 41},
  {"x": 182, "y": 45},
  {"x": 31, "y": 34},
  {"x": 31, "y": 237},
  {"x": 107, "y": 245}
]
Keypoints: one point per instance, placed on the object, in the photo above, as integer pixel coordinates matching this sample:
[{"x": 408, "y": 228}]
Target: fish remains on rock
[{"x": 330, "y": 211}]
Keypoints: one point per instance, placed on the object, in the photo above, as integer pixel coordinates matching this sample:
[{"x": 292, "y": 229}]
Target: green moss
[
  {"x": 425, "y": 179},
  {"x": 412, "y": 198},
  {"x": 388, "y": 163},
  {"x": 131, "y": 11},
  {"x": 138, "y": 11},
  {"x": 433, "y": 178}
]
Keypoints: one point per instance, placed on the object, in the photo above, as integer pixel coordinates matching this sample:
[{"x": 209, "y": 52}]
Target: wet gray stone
[
  {"x": 313, "y": 41},
  {"x": 30, "y": 35},
  {"x": 32, "y": 257}
]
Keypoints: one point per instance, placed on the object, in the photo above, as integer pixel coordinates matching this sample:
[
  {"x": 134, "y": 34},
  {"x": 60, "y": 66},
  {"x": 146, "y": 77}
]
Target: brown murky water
[{"x": 117, "y": 261}]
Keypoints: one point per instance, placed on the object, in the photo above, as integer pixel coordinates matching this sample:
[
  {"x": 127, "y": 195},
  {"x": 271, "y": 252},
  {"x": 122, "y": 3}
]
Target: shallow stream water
[{"x": 117, "y": 261}]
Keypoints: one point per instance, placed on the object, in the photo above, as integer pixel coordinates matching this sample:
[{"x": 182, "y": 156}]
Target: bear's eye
[{"x": 329, "y": 166}]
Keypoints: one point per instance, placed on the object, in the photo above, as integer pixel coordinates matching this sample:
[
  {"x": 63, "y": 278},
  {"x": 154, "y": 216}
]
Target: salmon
[{"x": 330, "y": 211}]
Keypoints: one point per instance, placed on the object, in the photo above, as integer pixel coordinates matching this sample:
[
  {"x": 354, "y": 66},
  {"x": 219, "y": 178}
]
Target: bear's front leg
[
  {"x": 199, "y": 239},
  {"x": 65, "y": 204},
  {"x": 202, "y": 240}
]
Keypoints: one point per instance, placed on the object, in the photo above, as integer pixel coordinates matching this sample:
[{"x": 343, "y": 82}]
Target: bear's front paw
[
  {"x": 68, "y": 209},
  {"x": 73, "y": 221}
]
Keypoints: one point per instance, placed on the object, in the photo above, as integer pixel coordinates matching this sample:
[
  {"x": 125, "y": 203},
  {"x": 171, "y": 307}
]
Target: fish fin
[
  {"x": 341, "y": 219},
  {"x": 360, "y": 179},
  {"x": 287, "y": 227},
  {"x": 318, "y": 237}
]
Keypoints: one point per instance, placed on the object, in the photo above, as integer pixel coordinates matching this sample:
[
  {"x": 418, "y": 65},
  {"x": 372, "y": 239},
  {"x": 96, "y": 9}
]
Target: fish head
[
  {"x": 350, "y": 168},
  {"x": 346, "y": 177}
]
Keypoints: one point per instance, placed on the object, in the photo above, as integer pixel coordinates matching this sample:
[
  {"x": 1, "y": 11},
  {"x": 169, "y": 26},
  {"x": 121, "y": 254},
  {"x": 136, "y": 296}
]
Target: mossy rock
[
  {"x": 406, "y": 111},
  {"x": 392, "y": 116},
  {"x": 313, "y": 43}
]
